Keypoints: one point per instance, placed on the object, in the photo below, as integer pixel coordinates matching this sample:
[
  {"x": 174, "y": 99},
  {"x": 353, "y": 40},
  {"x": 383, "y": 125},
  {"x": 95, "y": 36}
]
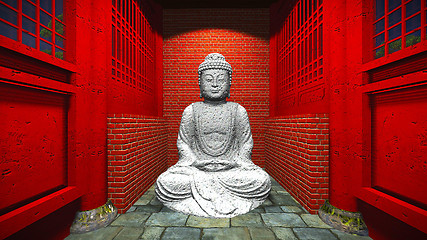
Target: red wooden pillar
[
  {"x": 92, "y": 44},
  {"x": 343, "y": 58}
]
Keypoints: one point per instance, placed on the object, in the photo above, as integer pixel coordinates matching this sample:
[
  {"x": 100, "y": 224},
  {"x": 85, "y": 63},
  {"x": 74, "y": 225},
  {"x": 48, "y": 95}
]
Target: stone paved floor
[{"x": 279, "y": 217}]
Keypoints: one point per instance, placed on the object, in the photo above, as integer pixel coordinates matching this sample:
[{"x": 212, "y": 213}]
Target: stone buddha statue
[{"x": 214, "y": 176}]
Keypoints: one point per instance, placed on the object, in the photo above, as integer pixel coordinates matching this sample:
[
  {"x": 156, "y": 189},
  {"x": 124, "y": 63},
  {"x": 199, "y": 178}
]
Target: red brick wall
[
  {"x": 137, "y": 154},
  {"x": 297, "y": 156},
  {"x": 242, "y": 36}
]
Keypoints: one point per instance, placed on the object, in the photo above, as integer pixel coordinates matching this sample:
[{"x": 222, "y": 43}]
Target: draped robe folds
[{"x": 214, "y": 176}]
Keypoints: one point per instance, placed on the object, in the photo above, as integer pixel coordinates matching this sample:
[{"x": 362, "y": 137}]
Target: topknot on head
[{"x": 215, "y": 61}]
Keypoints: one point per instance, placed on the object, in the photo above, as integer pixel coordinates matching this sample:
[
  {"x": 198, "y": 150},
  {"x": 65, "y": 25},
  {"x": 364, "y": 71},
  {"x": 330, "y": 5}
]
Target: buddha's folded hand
[{"x": 214, "y": 165}]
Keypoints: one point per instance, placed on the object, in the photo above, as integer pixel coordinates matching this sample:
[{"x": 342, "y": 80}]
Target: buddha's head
[{"x": 215, "y": 78}]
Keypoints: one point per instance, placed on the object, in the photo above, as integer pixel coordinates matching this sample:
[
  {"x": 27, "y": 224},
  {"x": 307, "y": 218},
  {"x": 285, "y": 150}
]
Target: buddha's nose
[{"x": 214, "y": 83}]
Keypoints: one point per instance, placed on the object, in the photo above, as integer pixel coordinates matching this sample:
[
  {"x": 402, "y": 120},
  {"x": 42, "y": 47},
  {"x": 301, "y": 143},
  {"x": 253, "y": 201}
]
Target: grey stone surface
[
  {"x": 131, "y": 209},
  {"x": 260, "y": 233},
  {"x": 148, "y": 208},
  {"x": 247, "y": 220},
  {"x": 155, "y": 201},
  {"x": 132, "y": 219},
  {"x": 291, "y": 209},
  {"x": 283, "y": 200},
  {"x": 273, "y": 209},
  {"x": 201, "y": 222},
  {"x": 166, "y": 219},
  {"x": 314, "y": 221},
  {"x": 179, "y": 233},
  {"x": 107, "y": 233},
  {"x": 314, "y": 234},
  {"x": 284, "y": 233},
  {"x": 267, "y": 202},
  {"x": 282, "y": 220},
  {"x": 214, "y": 176},
  {"x": 233, "y": 233},
  {"x": 259, "y": 209},
  {"x": 145, "y": 199},
  {"x": 166, "y": 209},
  {"x": 152, "y": 233},
  {"x": 347, "y": 236},
  {"x": 129, "y": 233}
]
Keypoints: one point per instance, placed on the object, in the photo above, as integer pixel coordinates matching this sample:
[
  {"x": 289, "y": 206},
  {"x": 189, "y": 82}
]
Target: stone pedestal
[
  {"x": 86, "y": 221},
  {"x": 349, "y": 222}
]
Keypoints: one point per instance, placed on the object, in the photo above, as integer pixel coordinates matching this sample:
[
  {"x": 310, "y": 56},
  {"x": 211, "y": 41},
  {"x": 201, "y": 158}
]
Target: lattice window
[
  {"x": 133, "y": 46},
  {"x": 31, "y": 23},
  {"x": 398, "y": 24},
  {"x": 300, "y": 61}
]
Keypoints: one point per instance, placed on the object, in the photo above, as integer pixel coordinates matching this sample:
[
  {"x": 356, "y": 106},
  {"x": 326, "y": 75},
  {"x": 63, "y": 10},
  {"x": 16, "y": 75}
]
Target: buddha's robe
[{"x": 214, "y": 176}]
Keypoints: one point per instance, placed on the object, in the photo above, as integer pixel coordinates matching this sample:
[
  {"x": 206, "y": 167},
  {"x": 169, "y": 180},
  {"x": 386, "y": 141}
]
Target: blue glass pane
[
  {"x": 8, "y": 14},
  {"x": 46, "y": 34},
  {"x": 59, "y": 41},
  {"x": 12, "y": 3},
  {"x": 379, "y": 26},
  {"x": 379, "y": 52},
  {"x": 28, "y": 25},
  {"x": 379, "y": 9},
  {"x": 413, "y": 23},
  {"x": 413, "y": 7},
  {"x": 59, "y": 7},
  {"x": 413, "y": 38},
  {"x": 29, "y": 9},
  {"x": 392, "y": 4},
  {"x": 379, "y": 40},
  {"x": 395, "y": 17},
  {"x": 8, "y": 31},
  {"x": 28, "y": 40},
  {"x": 59, "y": 53},
  {"x": 45, "y": 19},
  {"x": 395, "y": 46},
  {"x": 46, "y": 5},
  {"x": 45, "y": 47},
  {"x": 395, "y": 32}
]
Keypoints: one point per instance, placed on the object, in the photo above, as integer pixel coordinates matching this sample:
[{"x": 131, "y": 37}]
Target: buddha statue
[{"x": 214, "y": 176}]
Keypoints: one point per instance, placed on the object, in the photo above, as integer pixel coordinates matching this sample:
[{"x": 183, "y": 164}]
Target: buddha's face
[{"x": 215, "y": 84}]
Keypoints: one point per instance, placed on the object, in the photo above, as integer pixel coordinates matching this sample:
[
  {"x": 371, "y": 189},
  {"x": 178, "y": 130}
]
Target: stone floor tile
[
  {"x": 166, "y": 219},
  {"x": 281, "y": 192},
  {"x": 277, "y": 188},
  {"x": 259, "y": 209},
  {"x": 148, "y": 208},
  {"x": 273, "y": 209},
  {"x": 144, "y": 200},
  {"x": 131, "y": 209},
  {"x": 201, "y": 222},
  {"x": 314, "y": 234},
  {"x": 282, "y": 220},
  {"x": 129, "y": 233},
  {"x": 292, "y": 209},
  {"x": 179, "y": 233},
  {"x": 166, "y": 209},
  {"x": 107, "y": 233},
  {"x": 233, "y": 233},
  {"x": 267, "y": 202},
  {"x": 247, "y": 220},
  {"x": 156, "y": 201},
  {"x": 282, "y": 200},
  {"x": 132, "y": 219},
  {"x": 347, "y": 236},
  {"x": 261, "y": 233},
  {"x": 152, "y": 233},
  {"x": 313, "y": 220},
  {"x": 284, "y": 233}
]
